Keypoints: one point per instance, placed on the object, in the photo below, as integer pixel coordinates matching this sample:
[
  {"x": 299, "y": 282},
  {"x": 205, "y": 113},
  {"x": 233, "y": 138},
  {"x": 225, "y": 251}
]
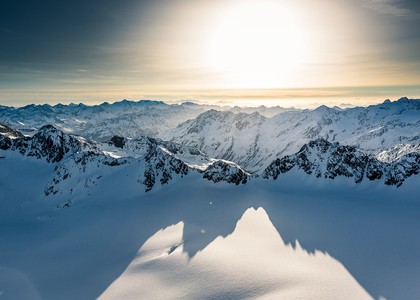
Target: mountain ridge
[{"x": 80, "y": 164}]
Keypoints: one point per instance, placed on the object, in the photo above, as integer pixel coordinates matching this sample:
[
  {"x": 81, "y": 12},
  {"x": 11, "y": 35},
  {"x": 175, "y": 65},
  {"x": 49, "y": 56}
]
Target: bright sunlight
[{"x": 256, "y": 44}]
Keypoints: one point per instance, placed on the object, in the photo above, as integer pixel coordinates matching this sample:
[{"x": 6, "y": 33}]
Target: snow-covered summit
[
  {"x": 253, "y": 141},
  {"x": 80, "y": 165},
  {"x": 323, "y": 159},
  {"x": 48, "y": 143},
  {"x": 10, "y": 132}
]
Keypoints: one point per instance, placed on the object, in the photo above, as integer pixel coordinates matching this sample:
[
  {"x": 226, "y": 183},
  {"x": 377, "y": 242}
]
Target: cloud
[{"x": 387, "y": 7}]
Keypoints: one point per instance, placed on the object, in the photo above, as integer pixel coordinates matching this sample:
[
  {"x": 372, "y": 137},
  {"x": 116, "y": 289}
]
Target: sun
[{"x": 256, "y": 44}]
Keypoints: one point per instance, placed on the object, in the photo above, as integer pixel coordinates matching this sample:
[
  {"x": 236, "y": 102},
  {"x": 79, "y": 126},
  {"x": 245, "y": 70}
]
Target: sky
[{"x": 242, "y": 52}]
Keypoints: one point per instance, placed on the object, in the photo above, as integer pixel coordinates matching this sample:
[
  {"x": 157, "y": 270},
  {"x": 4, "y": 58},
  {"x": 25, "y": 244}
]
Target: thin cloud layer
[{"x": 388, "y": 7}]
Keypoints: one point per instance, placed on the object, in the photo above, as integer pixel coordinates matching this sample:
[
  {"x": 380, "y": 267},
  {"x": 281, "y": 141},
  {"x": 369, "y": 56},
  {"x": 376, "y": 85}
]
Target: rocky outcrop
[
  {"x": 48, "y": 143},
  {"x": 226, "y": 171},
  {"x": 323, "y": 159},
  {"x": 161, "y": 165}
]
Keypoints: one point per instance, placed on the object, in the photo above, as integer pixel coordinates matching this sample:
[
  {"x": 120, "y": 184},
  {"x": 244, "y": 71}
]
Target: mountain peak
[
  {"x": 10, "y": 132},
  {"x": 403, "y": 99}
]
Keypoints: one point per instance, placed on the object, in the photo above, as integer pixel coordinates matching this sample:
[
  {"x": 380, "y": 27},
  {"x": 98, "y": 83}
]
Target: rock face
[
  {"x": 323, "y": 159},
  {"x": 226, "y": 171},
  {"x": 82, "y": 164},
  {"x": 6, "y": 131},
  {"x": 146, "y": 143},
  {"x": 48, "y": 143},
  {"x": 117, "y": 141},
  {"x": 161, "y": 165},
  {"x": 404, "y": 167}
]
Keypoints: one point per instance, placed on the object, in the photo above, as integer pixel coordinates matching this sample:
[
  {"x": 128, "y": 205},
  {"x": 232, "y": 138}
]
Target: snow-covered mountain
[
  {"x": 48, "y": 143},
  {"x": 9, "y": 132},
  {"x": 251, "y": 137},
  {"x": 254, "y": 141},
  {"x": 101, "y": 122},
  {"x": 148, "y": 200},
  {"x": 124, "y": 118},
  {"x": 323, "y": 159},
  {"x": 80, "y": 164},
  {"x": 83, "y": 166}
]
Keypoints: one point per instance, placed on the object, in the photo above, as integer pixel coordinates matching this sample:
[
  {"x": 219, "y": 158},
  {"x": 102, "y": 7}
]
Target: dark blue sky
[
  {"x": 58, "y": 34},
  {"x": 53, "y": 51}
]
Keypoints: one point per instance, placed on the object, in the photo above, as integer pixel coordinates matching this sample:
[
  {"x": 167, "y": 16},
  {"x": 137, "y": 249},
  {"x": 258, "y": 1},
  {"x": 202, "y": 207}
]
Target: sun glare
[{"x": 256, "y": 44}]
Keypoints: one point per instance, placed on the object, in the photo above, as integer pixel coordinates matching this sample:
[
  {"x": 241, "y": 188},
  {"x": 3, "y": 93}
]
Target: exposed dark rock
[
  {"x": 117, "y": 141},
  {"x": 48, "y": 143},
  {"x": 161, "y": 164},
  {"x": 10, "y": 132},
  {"x": 225, "y": 171},
  {"x": 331, "y": 160}
]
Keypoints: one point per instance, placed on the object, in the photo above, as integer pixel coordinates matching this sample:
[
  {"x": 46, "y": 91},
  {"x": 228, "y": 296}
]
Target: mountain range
[
  {"x": 374, "y": 143},
  {"x": 138, "y": 199}
]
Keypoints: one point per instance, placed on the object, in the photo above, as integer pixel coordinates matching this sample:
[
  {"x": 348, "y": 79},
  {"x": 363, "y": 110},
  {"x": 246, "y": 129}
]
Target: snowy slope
[
  {"x": 252, "y": 262},
  {"x": 80, "y": 165},
  {"x": 253, "y": 141},
  {"x": 74, "y": 214},
  {"x": 117, "y": 213},
  {"x": 80, "y": 251}
]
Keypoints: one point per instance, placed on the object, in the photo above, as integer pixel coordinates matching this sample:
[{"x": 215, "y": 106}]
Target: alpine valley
[{"x": 148, "y": 200}]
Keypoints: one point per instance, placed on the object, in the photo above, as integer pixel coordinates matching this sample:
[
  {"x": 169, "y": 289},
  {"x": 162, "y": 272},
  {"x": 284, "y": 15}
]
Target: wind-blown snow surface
[
  {"x": 252, "y": 261},
  {"x": 92, "y": 248}
]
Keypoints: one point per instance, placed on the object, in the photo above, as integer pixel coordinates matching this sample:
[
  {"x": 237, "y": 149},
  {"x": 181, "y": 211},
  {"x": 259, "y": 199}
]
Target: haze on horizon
[{"x": 288, "y": 53}]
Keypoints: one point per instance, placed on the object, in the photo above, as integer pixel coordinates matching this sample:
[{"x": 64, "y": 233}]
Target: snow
[
  {"x": 252, "y": 261},
  {"x": 252, "y": 140},
  {"x": 111, "y": 154},
  {"x": 83, "y": 227},
  {"x": 396, "y": 152},
  {"x": 91, "y": 248}
]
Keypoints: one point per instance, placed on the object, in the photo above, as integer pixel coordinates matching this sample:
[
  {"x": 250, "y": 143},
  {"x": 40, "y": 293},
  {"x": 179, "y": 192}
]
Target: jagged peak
[
  {"x": 214, "y": 112},
  {"x": 322, "y": 108},
  {"x": 189, "y": 103},
  {"x": 10, "y": 132},
  {"x": 49, "y": 131},
  {"x": 319, "y": 144},
  {"x": 50, "y": 143},
  {"x": 222, "y": 170},
  {"x": 397, "y": 152},
  {"x": 402, "y": 100},
  {"x": 117, "y": 141},
  {"x": 253, "y": 115},
  {"x": 152, "y": 102},
  {"x": 49, "y": 128},
  {"x": 329, "y": 160}
]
